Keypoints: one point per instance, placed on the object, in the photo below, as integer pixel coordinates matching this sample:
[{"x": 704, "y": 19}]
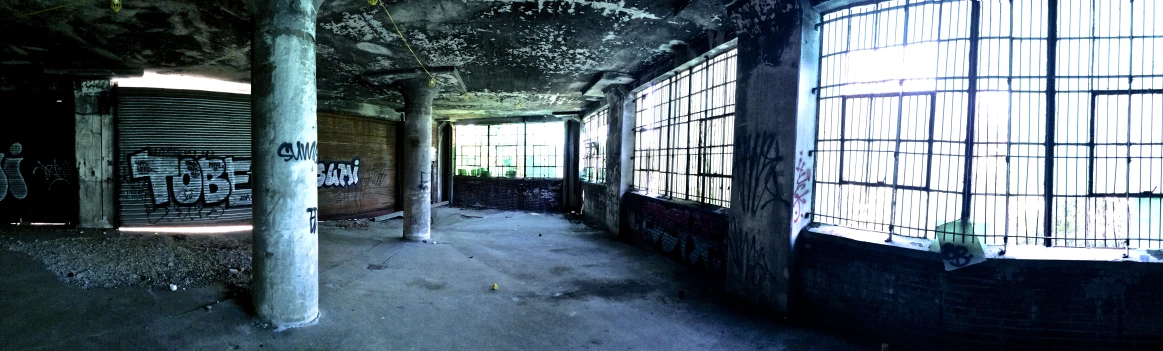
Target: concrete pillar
[
  {"x": 619, "y": 151},
  {"x": 437, "y": 163},
  {"x": 572, "y": 177},
  {"x": 774, "y": 131},
  {"x": 417, "y": 165},
  {"x": 94, "y": 151},
  {"x": 285, "y": 149}
]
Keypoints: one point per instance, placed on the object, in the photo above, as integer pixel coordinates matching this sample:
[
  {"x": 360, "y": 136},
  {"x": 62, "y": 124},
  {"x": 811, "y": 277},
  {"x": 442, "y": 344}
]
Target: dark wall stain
[{"x": 691, "y": 234}]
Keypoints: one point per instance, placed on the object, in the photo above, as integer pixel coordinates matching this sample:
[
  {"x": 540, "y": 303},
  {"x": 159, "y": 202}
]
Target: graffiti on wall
[
  {"x": 338, "y": 174},
  {"x": 376, "y": 175},
  {"x": 175, "y": 213},
  {"x": 313, "y": 218},
  {"x": 802, "y": 191},
  {"x": 55, "y": 172},
  {"x": 759, "y": 157},
  {"x": 299, "y": 151},
  {"x": 690, "y": 236},
  {"x": 186, "y": 186},
  {"x": 11, "y": 180}
]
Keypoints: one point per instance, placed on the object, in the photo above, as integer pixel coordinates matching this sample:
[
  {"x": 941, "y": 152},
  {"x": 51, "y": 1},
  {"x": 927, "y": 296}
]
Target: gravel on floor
[{"x": 183, "y": 261}]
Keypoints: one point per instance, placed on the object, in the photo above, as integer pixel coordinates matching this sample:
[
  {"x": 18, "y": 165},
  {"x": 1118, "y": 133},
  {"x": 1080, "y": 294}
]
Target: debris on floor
[
  {"x": 470, "y": 216},
  {"x": 158, "y": 261},
  {"x": 353, "y": 224}
]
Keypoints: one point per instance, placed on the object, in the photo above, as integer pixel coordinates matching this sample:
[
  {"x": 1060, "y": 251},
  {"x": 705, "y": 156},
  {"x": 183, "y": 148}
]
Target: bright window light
[
  {"x": 183, "y": 82},
  {"x": 191, "y": 230}
]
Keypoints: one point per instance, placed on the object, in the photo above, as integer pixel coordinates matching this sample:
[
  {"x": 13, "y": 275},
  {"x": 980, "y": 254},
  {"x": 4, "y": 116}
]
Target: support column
[
  {"x": 284, "y": 145},
  {"x": 437, "y": 164},
  {"x": 572, "y": 177},
  {"x": 774, "y": 135},
  {"x": 417, "y": 165},
  {"x": 94, "y": 151},
  {"x": 619, "y": 151},
  {"x": 419, "y": 87}
]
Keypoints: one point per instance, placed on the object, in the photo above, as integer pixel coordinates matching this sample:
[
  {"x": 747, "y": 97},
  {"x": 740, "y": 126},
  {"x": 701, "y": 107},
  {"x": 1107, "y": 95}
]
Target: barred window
[
  {"x": 1035, "y": 125},
  {"x": 593, "y": 137},
  {"x": 513, "y": 150},
  {"x": 685, "y": 127}
]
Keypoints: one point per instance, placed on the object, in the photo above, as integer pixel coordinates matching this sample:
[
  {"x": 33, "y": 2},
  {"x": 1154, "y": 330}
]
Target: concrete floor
[{"x": 562, "y": 286}]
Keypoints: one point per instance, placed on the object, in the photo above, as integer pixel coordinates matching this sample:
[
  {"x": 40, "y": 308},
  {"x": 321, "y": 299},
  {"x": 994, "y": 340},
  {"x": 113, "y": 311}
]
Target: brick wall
[
  {"x": 538, "y": 195},
  {"x": 687, "y": 232},
  {"x": 906, "y": 298},
  {"x": 594, "y": 204}
]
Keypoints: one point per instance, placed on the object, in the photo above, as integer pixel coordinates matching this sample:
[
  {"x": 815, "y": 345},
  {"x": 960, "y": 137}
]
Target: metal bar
[
  {"x": 524, "y": 159},
  {"x": 1093, "y": 153},
  {"x": 1051, "y": 119},
  {"x": 971, "y": 115},
  {"x": 1009, "y": 130}
]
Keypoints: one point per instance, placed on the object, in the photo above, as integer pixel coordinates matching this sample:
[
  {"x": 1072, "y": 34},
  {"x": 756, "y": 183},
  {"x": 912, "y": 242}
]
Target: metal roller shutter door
[{"x": 183, "y": 157}]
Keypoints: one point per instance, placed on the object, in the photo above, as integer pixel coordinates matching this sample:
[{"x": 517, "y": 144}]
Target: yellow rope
[
  {"x": 47, "y": 10},
  {"x": 431, "y": 78}
]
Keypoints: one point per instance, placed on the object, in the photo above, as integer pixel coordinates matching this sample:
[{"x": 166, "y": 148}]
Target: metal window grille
[
  {"x": 1058, "y": 104},
  {"x": 505, "y": 142},
  {"x": 513, "y": 150},
  {"x": 472, "y": 143},
  {"x": 685, "y": 133},
  {"x": 544, "y": 150},
  {"x": 595, "y": 129}
]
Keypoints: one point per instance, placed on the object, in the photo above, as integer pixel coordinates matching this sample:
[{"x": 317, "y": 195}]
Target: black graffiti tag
[
  {"x": 314, "y": 220},
  {"x": 299, "y": 151},
  {"x": 956, "y": 255}
]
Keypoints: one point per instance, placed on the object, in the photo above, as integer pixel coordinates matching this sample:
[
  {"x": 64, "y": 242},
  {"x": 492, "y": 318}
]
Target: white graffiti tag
[
  {"x": 338, "y": 174},
  {"x": 11, "y": 181},
  {"x": 194, "y": 180}
]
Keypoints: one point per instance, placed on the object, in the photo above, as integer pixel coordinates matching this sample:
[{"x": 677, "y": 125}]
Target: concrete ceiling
[{"x": 517, "y": 58}]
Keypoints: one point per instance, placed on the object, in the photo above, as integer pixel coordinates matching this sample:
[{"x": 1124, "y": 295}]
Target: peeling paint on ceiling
[{"x": 517, "y": 57}]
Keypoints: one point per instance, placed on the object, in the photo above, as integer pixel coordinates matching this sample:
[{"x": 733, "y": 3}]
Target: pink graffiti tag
[{"x": 802, "y": 191}]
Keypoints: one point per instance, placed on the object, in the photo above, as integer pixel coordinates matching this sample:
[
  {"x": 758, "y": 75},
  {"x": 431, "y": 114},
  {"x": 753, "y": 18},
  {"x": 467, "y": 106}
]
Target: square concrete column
[
  {"x": 619, "y": 151},
  {"x": 94, "y": 151},
  {"x": 285, "y": 149},
  {"x": 774, "y": 135}
]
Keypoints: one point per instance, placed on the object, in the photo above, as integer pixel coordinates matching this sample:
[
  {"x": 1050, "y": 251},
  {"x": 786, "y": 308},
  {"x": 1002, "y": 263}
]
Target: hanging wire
[
  {"x": 432, "y": 81},
  {"x": 54, "y": 8}
]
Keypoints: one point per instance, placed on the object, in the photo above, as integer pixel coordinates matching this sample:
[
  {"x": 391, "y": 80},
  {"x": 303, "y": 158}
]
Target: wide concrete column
[
  {"x": 417, "y": 157},
  {"x": 94, "y": 151},
  {"x": 419, "y": 88},
  {"x": 774, "y": 135},
  {"x": 619, "y": 151},
  {"x": 284, "y": 145}
]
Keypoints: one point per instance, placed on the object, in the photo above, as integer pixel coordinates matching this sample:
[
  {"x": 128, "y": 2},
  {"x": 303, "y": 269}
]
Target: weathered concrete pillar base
[
  {"x": 94, "y": 152},
  {"x": 284, "y": 143}
]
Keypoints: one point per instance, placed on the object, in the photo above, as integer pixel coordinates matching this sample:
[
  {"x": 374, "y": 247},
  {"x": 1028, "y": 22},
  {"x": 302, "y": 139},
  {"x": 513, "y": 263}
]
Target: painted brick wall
[
  {"x": 594, "y": 204},
  {"x": 692, "y": 234},
  {"x": 538, "y": 195},
  {"x": 907, "y": 299}
]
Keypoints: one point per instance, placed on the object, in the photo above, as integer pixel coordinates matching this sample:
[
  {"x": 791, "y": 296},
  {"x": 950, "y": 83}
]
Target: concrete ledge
[{"x": 1012, "y": 252}]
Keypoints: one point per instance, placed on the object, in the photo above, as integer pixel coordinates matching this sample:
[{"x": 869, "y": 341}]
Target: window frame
[
  {"x": 686, "y": 103},
  {"x": 595, "y": 131},
  {"x": 529, "y": 160},
  {"x": 1052, "y": 86}
]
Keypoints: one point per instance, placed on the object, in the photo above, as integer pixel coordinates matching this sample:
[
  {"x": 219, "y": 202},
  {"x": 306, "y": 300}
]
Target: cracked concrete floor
[{"x": 562, "y": 286}]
